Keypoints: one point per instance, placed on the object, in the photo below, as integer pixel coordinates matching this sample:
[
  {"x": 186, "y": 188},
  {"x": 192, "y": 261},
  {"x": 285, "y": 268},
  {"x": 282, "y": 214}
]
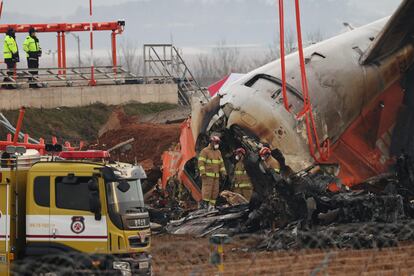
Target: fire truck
[{"x": 74, "y": 204}]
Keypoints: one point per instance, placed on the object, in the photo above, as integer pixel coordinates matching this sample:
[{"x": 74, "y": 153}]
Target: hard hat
[
  {"x": 265, "y": 151},
  {"x": 241, "y": 151},
  {"x": 32, "y": 30},
  {"x": 215, "y": 139}
]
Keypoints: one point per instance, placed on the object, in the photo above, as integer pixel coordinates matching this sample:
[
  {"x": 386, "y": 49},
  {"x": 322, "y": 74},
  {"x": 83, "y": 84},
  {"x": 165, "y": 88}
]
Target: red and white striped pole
[{"x": 92, "y": 80}]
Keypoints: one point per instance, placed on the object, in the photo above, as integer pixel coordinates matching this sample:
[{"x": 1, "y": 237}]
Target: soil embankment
[{"x": 150, "y": 139}]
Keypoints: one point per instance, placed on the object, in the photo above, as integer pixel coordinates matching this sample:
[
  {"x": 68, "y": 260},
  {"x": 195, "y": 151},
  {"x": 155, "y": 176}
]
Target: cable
[{"x": 311, "y": 131}]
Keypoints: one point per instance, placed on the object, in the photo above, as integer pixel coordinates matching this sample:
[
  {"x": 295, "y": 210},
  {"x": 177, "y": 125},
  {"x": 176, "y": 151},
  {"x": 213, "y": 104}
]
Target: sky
[
  {"x": 59, "y": 8},
  {"x": 194, "y": 25}
]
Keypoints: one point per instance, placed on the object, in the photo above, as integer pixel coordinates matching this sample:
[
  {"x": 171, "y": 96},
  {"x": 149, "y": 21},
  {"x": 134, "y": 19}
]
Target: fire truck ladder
[{"x": 164, "y": 61}]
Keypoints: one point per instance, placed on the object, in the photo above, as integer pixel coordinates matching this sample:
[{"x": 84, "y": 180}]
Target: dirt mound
[
  {"x": 151, "y": 140},
  {"x": 167, "y": 116},
  {"x": 116, "y": 121}
]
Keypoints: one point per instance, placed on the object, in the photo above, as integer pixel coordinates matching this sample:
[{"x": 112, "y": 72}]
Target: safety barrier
[{"x": 73, "y": 76}]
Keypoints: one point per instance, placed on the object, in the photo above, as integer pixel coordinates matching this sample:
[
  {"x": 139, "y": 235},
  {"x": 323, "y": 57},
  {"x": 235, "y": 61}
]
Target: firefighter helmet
[
  {"x": 265, "y": 152},
  {"x": 215, "y": 139},
  {"x": 239, "y": 151}
]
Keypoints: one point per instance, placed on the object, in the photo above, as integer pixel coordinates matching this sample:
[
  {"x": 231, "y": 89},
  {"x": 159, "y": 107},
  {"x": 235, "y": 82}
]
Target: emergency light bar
[{"x": 89, "y": 154}]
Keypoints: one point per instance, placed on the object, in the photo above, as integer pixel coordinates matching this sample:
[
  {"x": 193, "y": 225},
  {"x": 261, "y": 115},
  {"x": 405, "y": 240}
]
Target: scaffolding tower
[{"x": 164, "y": 61}]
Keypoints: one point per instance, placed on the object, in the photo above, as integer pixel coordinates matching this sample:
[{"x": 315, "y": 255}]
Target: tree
[
  {"x": 226, "y": 58},
  {"x": 222, "y": 60},
  {"x": 129, "y": 58},
  {"x": 314, "y": 37}
]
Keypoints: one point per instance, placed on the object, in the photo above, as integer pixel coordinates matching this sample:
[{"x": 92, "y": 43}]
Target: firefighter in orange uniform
[
  {"x": 242, "y": 183},
  {"x": 211, "y": 167}
]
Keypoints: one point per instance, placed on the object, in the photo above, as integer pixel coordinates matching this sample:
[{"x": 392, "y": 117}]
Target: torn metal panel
[{"x": 202, "y": 222}]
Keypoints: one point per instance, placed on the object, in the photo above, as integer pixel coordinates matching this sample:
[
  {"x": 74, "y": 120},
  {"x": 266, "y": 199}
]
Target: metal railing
[
  {"x": 21, "y": 162},
  {"x": 166, "y": 61},
  {"x": 73, "y": 76}
]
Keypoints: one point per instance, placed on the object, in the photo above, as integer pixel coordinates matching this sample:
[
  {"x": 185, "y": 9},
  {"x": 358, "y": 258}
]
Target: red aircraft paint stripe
[{"x": 215, "y": 87}]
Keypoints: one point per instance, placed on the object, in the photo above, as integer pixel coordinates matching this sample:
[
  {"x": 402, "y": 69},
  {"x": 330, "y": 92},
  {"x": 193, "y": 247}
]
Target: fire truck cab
[{"x": 92, "y": 210}]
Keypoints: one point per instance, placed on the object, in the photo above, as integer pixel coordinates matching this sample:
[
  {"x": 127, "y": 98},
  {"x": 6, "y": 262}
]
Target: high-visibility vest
[
  {"x": 31, "y": 46},
  {"x": 9, "y": 47}
]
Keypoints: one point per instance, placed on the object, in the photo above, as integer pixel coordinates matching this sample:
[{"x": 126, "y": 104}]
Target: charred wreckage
[
  {"x": 345, "y": 140},
  {"x": 300, "y": 210}
]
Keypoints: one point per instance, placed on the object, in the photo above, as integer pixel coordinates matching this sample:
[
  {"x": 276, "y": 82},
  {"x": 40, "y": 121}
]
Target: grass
[
  {"x": 133, "y": 109},
  {"x": 74, "y": 123}
]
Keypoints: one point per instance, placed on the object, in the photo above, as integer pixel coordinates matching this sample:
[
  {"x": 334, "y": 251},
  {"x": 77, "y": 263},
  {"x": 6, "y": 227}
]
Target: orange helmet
[
  {"x": 215, "y": 139},
  {"x": 241, "y": 151},
  {"x": 264, "y": 152}
]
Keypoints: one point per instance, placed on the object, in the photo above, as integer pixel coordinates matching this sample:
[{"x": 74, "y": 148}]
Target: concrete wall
[{"x": 81, "y": 96}]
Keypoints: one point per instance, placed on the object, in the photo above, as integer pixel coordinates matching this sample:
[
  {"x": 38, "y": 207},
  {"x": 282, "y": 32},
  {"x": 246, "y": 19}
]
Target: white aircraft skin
[{"x": 339, "y": 88}]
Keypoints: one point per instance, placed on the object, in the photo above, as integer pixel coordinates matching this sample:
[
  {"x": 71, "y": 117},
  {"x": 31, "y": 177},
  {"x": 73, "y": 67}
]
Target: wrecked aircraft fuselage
[
  {"x": 355, "y": 104},
  {"x": 357, "y": 95}
]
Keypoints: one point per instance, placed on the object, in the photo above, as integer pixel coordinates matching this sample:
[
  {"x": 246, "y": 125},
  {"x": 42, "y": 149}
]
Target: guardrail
[{"x": 74, "y": 76}]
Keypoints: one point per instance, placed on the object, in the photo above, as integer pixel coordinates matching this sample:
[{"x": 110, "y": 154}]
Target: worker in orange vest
[
  {"x": 242, "y": 184},
  {"x": 211, "y": 167}
]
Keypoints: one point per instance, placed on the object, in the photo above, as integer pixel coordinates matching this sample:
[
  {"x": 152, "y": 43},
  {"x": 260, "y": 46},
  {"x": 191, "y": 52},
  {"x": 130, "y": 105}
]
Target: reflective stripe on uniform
[
  {"x": 243, "y": 185},
  {"x": 277, "y": 170},
  {"x": 202, "y": 158},
  {"x": 214, "y": 161},
  {"x": 240, "y": 172},
  {"x": 223, "y": 169},
  {"x": 210, "y": 201},
  {"x": 202, "y": 168},
  {"x": 208, "y": 174}
]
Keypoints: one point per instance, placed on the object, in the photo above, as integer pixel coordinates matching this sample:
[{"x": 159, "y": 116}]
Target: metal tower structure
[{"x": 165, "y": 62}]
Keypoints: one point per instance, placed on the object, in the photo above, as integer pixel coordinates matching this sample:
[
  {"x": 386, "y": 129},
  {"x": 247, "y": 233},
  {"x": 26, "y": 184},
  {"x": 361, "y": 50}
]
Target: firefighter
[
  {"x": 272, "y": 210},
  {"x": 270, "y": 163},
  {"x": 242, "y": 183},
  {"x": 33, "y": 53},
  {"x": 11, "y": 54},
  {"x": 211, "y": 167}
]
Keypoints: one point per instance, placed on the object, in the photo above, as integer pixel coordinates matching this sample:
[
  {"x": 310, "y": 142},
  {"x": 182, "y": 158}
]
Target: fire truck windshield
[{"x": 125, "y": 200}]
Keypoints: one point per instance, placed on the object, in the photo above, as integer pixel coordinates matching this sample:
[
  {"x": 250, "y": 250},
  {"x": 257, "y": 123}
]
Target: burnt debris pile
[
  {"x": 302, "y": 211},
  {"x": 351, "y": 236}
]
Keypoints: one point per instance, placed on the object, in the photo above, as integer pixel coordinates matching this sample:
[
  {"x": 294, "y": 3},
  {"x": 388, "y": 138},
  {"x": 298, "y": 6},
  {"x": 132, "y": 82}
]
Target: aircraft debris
[{"x": 301, "y": 212}]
